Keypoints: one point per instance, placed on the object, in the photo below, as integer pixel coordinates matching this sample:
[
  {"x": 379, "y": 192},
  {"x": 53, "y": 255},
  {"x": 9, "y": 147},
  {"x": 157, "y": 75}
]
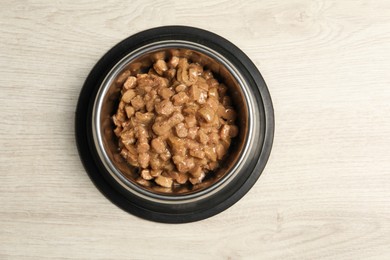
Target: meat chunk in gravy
[{"x": 175, "y": 123}]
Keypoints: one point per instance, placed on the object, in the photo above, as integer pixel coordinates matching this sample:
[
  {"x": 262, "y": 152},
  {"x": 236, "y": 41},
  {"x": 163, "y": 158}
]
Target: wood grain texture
[{"x": 325, "y": 193}]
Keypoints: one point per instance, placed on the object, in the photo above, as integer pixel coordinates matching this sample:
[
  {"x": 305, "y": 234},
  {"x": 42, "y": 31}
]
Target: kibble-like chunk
[
  {"x": 164, "y": 181},
  {"x": 121, "y": 79},
  {"x": 156, "y": 163},
  {"x": 143, "y": 145},
  {"x": 144, "y": 182},
  {"x": 144, "y": 118},
  {"x": 155, "y": 173},
  {"x": 194, "y": 92},
  {"x": 210, "y": 153},
  {"x": 180, "y": 98},
  {"x": 143, "y": 160},
  {"x": 138, "y": 103},
  {"x": 197, "y": 180},
  {"x": 213, "y": 103},
  {"x": 197, "y": 172},
  {"x": 146, "y": 174},
  {"x": 192, "y": 132},
  {"x": 180, "y": 87},
  {"x": 130, "y": 83},
  {"x": 181, "y": 130},
  {"x": 158, "y": 145},
  {"x": 128, "y": 95},
  {"x": 213, "y": 92},
  {"x": 225, "y": 132},
  {"x": 182, "y": 178},
  {"x": 230, "y": 114},
  {"x": 129, "y": 111},
  {"x": 207, "y": 113},
  {"x": 161, "y": 128},
  {"x": 166, "y": 155},
  {"x": 164, "y": 107},
  {"x": 166, "y": 93},
  {"x": 173, "y": 62},
  {"x": 176, "y": 118},
  {"x": 198, "y": 153},
  {"x": 190, "y": 121},
  {"x": 203, "y": 137},
  {"x": 160, "y": 67},
  {"x": 171, "y": 73},
  {"x": 221, "y": 151}
]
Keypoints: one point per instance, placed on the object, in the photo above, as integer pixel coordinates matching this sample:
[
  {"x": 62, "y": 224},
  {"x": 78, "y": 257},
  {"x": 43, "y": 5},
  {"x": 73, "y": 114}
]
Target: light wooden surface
[{"x": 325, "y": 193}]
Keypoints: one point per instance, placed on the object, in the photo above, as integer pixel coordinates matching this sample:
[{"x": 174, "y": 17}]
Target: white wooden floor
[{"x": 325, "y": 193}]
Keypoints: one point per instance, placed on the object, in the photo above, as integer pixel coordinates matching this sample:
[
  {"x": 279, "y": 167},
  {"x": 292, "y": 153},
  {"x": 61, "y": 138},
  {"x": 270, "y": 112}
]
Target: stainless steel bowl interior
[{"x": 139, "y": 61}]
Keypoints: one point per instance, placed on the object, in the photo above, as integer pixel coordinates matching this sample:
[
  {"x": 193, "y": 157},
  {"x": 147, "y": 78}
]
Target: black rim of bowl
[{"x": 97, "y": 171}]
